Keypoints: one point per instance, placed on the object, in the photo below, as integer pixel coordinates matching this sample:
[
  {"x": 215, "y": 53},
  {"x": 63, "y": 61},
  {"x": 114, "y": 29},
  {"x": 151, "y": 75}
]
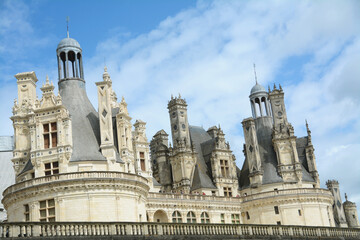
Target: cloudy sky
[{"x": 205, "y": 50}]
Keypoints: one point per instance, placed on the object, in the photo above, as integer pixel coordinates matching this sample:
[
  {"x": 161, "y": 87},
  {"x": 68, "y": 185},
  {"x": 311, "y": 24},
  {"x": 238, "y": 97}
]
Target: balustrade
[{"x": 63, "y": 229}]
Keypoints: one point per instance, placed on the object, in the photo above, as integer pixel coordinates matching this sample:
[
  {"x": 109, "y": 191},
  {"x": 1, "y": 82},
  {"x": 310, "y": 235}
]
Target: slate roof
[
  {"x": 268, "y": 155},
  {"x": 6, "y": 143},
  {"x": 84, "y": 120},
  {"x": 7, "y": 176},
  {"x": 202, "y": 173}
]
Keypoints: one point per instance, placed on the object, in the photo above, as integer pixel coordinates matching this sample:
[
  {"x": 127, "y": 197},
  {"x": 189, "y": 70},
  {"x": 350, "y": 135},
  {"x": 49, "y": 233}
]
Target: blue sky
[{"x": 205, "y": 50}]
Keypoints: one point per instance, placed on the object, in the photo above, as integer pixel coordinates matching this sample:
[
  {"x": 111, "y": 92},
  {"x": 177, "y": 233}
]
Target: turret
[
  {"x": 284, "y": 140},
  {"x": 179, "y": 122},
  {"x": 310, "y": 157},
  {"x": 339, "y": 214},
  {"x": 22, "y": 115},
  {"x": 160, "y": 160},
  {"x": 84, "y": 118},
  {"x": 26, "y": 87},
  {"x": 69, "y": 57},
  {"x": 182, "y": 156},
  {"x": 351, "y": 213},
  {"x": 259, "y": 100}
]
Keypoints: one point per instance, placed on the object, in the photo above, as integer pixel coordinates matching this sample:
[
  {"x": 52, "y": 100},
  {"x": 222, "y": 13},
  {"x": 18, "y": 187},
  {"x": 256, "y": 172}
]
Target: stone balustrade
[
  {"x": 270, "y": 194},
  {"x": 63, "y": 229},
  {"x": 73, "y": 176}
]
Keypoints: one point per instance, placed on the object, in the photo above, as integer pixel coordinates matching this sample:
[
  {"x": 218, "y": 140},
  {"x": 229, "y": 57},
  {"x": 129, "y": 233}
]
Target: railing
[
  {"x": 74, "y": 176},
  {"x": 298, "y": 191},
  {"x": 63, "y": 229}
]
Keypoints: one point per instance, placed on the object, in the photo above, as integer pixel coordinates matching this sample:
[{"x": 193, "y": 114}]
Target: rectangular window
[
  {"x": 276, "y": 209},
  {"x": 142, "y": 161},
  {"x": 235, "y": 218},
  {"x": 227, "y": 192},
  {"x": 50, "y": 135},
  {"x": 278, "y": 223},
  {"x": 47, "y": 210},
  {"x": 247, "y": 215},
  {"x": 224, "y": 166},
  {"x": 222, "y": 217},
  {"x": 51, "y": 168},
  {"x": 27, "y": 213},
  {"x": 299, "y": 212}
]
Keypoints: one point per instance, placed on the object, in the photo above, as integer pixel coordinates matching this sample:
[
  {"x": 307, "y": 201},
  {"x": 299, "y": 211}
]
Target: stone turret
[
  {"x": 160, "y": 160},
  {"x": 339, "y": 214},
  {"x": 351, "y": 213},
  {"x": 284, "y": 140},
  {"x": 182, "y": 155},
  {"x": 23, "y": 112},
  {"x": 179, "y": 122}
]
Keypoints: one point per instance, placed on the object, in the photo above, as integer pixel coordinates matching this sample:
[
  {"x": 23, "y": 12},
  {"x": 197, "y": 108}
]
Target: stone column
[
  {"x": 67, "y": 65},
  {"x": 59, "y": 66},
  {"x": 76, "y": 66}
]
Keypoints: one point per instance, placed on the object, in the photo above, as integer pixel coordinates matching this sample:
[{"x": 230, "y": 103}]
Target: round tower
[{"x": 351, "y": 214}]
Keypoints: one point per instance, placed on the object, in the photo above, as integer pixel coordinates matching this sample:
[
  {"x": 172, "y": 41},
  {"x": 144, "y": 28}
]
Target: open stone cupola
[{"x": 69, "y": 56}]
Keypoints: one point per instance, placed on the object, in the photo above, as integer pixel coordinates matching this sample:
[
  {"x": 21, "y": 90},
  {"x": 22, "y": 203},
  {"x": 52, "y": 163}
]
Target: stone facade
[{"x": 73, "y": 163}]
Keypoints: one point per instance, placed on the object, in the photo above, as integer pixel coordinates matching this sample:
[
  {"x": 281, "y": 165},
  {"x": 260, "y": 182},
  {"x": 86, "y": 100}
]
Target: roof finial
[
  {"x": 47, "y": 79},
  {"x": 255, "y": 74},
  {"x": 67, "y": 26},
  {"x": 346, "y": 197}
]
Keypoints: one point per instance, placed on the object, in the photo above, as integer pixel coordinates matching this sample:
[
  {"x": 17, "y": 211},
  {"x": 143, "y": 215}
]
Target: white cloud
[{"x": 206, "y": 54}]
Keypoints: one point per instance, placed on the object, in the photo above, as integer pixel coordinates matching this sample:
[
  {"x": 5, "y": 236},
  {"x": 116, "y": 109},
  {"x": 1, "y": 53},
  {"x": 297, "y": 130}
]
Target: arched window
[
  {"x": 176, "y": 217},
  {"x": 205, "y": 217},
  {"x": 190, "y": 217},
  {"x": 80, "y": 65},
  {"x": 63, "y": 61},
  {"x": 72, "y": 67}
]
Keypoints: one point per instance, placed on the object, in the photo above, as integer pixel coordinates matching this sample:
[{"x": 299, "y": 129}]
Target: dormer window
[
  {"x": 50, "y": 135},
  {"x": 224, "y": 168}
]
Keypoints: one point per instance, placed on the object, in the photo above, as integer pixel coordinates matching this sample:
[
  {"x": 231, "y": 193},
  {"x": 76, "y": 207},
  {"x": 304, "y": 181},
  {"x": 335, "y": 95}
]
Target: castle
[{"x": 73, "y": 163}]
